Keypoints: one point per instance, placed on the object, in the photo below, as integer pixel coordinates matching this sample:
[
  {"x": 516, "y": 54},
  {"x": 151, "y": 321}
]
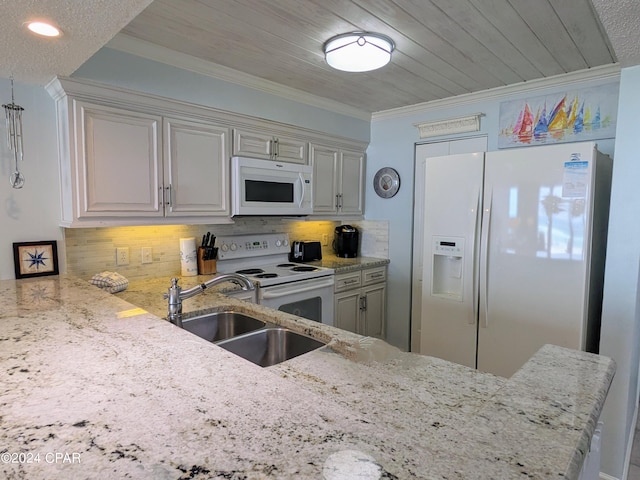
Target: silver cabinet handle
[
  {"x": 363, "y": 303},
  {"x": 169, "y": 199}
]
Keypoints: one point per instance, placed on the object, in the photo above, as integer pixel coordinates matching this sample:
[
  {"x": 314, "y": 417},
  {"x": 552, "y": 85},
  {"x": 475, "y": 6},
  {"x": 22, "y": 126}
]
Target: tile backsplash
[{"x": 92, "y": 250}]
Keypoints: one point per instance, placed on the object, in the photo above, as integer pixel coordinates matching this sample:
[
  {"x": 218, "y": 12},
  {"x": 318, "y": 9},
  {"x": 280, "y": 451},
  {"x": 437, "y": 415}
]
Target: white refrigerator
[{"x": 514, "y": 249}]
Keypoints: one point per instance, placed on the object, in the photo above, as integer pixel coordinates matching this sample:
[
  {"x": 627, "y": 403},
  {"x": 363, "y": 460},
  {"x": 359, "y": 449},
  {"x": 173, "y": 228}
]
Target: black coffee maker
[{"x": 345, "y": 241}]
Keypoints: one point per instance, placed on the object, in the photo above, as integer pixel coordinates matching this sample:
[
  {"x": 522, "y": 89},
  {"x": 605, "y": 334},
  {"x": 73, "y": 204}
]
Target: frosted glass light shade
[{"x": 358, "y": 51}]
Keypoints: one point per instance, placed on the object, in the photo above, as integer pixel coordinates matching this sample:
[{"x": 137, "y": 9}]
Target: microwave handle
[{"x": 301, "y": 178}]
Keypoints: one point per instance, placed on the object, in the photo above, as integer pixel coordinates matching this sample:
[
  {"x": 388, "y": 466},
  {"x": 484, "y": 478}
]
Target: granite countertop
[
  {"x": 343, "y": 265},
  {"x": 94, "y": 386}
]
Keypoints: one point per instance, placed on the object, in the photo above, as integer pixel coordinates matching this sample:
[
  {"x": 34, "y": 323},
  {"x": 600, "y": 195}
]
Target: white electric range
[{"x": 297, "y": 288}]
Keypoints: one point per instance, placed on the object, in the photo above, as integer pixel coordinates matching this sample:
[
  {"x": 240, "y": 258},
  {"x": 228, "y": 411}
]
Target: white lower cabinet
[{"x": 360, "y": 301}]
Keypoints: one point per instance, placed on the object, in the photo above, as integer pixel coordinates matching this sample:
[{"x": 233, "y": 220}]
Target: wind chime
[{"x": 13, "y": 114}]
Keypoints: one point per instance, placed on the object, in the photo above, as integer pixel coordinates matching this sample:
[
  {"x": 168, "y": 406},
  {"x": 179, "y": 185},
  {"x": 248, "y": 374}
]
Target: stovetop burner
[
  {"x": 304, "y": 269},
  {"x": 267, "y": 275},
  {"x": 250, "y": 271},
  {"x": 286, "y": 265}
]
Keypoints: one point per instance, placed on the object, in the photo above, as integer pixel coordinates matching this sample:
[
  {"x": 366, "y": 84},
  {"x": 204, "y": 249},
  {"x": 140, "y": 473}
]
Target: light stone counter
[
  {"x": 125, "y": 394},
  {"x": 344, "y": 265}
]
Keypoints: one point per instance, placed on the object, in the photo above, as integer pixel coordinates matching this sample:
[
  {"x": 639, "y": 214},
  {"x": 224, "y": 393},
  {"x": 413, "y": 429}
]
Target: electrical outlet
[
  {"x": 146, "y": 255},
  {"x": 122, "y": 256},
  {"x": 325, "y": 239}
]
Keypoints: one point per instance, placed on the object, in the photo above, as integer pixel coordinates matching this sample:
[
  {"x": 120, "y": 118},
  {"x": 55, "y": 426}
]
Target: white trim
[
  {"x": 142, "y": 48},
  {"x": 566, "y": 79},
  {"x": 470, "y": 123},
  {"x": 627, "y": 457}
]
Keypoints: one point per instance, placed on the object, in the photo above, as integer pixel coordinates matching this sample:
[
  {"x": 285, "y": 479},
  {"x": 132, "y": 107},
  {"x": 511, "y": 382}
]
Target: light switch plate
[{"x": 147, "y": 256}]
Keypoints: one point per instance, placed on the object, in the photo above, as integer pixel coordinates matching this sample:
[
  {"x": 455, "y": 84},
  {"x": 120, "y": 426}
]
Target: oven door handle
[{"x": 266, "y": 294}]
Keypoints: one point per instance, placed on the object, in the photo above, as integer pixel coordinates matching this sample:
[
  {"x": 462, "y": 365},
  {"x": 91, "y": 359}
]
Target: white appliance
[
  {"x": 301, "y": 289},
  {"x": 264, "y": 187},
  {"x": 514, "y": 247}
]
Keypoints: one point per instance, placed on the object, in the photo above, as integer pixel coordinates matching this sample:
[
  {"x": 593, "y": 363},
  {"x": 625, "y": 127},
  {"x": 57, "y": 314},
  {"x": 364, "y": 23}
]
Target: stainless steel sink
[
  {"x": 219, "y": 326},
  {"x": 270, "y": 346}
]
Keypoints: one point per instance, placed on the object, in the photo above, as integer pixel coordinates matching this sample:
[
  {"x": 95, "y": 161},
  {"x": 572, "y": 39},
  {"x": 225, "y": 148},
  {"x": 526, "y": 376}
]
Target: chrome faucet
[{"x": 175, "y": 295}]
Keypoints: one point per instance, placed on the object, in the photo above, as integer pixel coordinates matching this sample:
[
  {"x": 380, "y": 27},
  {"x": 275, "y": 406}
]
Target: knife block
[{"x": 205, "y": 267}]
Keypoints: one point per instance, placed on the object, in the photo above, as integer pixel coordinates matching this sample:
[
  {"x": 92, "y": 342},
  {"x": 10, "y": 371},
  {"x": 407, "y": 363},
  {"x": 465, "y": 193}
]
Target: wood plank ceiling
[{"x": 443, "y": 47}]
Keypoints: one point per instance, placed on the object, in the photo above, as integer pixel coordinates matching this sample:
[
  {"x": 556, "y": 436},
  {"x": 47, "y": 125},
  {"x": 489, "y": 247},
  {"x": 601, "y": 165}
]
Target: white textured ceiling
[
  {"x": 621, "y": 21},
  {"x": 87, "y": 26}
]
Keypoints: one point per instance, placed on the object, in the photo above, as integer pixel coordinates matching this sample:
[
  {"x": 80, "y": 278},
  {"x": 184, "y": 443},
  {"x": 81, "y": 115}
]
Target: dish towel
[{"x": 112, "y": 282}]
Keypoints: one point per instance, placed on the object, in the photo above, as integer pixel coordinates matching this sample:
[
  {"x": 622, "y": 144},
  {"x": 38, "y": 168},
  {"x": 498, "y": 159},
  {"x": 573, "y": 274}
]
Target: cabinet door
[
  {"x": 351, "y": 183},
  {"x": 269, "y": 146},
  {"x": 252, "y": 144},
  {"x": 325, "y": 178},
  {"x": 347, "y": 310},
  {"x": 118, "y": 169},
  {"x": 373, "y": 316},
  {"x": 196, "y": 159},
  {"x": 290, "y": 149}
]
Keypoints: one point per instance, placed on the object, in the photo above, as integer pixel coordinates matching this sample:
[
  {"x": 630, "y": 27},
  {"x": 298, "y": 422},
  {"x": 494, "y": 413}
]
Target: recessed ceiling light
[{"x": 44, "y": 29}]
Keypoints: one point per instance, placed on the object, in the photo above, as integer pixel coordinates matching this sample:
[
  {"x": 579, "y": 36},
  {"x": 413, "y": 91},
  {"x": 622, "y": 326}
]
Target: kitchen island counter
[{"x": 96, "y": 387}]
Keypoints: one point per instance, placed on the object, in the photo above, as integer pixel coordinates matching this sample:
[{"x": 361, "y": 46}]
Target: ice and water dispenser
[{"x": 447, "y": 274}]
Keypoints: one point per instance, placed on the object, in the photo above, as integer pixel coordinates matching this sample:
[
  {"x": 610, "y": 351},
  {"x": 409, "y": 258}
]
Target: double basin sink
[{"x": 262, "y": 343}]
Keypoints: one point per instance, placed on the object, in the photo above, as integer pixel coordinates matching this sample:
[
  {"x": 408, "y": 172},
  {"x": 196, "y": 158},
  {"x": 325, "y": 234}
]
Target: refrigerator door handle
[
  {"x": 484, "y": 267},
  {"x": 474, "y": 249}
]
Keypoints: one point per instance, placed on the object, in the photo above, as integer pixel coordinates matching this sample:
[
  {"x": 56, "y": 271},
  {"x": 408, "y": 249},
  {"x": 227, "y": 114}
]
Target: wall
[
  {"x": 92, "y": 250},
  {"x": 620, "y": 337},
  {"x": 393, "y": 139},
  {"x": 32, "y": 212}
]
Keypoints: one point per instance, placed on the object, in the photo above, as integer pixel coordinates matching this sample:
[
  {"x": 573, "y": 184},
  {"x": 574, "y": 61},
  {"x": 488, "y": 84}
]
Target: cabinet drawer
[
  {"x": 374, "y": 275},
  {"x": 347, "y": 281}
]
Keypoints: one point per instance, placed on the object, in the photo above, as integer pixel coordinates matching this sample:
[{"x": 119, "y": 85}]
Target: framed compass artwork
[{"x": 35, "y": 259}]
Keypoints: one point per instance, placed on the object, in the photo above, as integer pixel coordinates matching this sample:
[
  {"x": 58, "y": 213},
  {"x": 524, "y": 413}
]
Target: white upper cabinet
[
  {"x": 196, "y": 168},
  {"x": 351, "y": 183},
  {"x": 130, "y": 158},
  {"x": 325, "y": 162},
  {"x": 118, "y": 168},
  {"x": 256, "y": 143},
  {"x": 338, "y": 181}
]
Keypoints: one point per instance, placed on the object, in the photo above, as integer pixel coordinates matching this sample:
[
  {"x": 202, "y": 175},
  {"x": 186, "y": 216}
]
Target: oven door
[{"x": 312, "y": 299}]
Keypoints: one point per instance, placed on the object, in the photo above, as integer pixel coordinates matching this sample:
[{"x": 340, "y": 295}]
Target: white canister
[{"x": 188, "y": 257}]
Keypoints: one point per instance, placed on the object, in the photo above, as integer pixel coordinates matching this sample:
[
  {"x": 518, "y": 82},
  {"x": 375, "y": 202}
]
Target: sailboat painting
[{"x": 572, "y": 116}]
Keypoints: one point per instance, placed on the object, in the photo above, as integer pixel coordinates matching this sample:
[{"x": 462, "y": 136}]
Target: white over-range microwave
[{"x": 265, "y": 187}]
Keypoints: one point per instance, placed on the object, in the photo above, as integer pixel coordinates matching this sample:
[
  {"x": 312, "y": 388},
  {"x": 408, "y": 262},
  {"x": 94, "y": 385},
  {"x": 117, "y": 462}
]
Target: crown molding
[
  {"x": 467, "y": 124},
  {"x": 141, "y": 48},
  {"x": 606, "y": 72}
]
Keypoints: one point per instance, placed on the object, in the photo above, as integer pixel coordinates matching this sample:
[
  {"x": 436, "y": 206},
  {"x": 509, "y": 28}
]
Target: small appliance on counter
[
  {"x": 345, "y": 241},
  {"x": 305, "y": 251}
]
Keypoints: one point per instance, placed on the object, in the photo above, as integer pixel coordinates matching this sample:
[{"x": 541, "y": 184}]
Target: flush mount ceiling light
[
  {"x": 44, "y": 29},
  {"x": 358, "y": 51}
]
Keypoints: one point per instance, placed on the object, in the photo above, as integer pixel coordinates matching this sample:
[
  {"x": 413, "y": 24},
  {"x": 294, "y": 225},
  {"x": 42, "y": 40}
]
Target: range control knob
[
  {"x": 224, "y": 247},
  {"x": 285, "y": 242},
  {"x": 233, "y": 247},
  {"x": 278, "y": 243}
]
